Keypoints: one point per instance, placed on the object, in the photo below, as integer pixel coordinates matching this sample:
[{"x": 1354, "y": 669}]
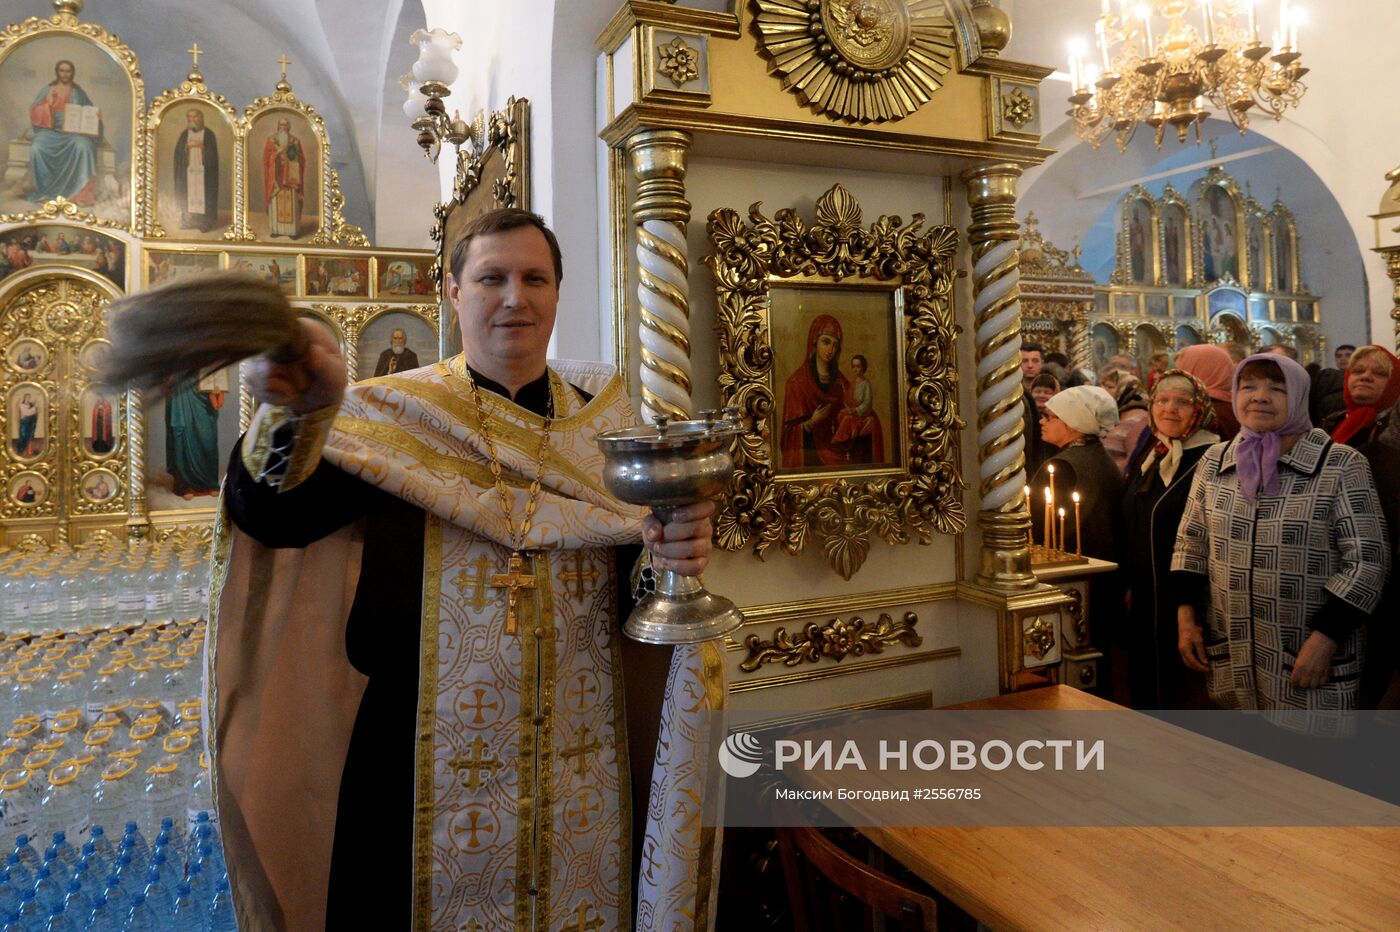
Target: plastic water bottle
[
  {"x": 173, "y": 830},
  {"x": 71, "y": 597},
  {"x": 158, "y": 601},
  {"x": 102, "y": 598},
  {"x": 9, "y": 894},
  {"x": 66, "y": 852},
  {"x": 187, "y": 915},
  {"x": 30, "y": 911},
  {"x": 13, "y": 923},
  {"x": 138, "y": 841},
  {"x": 101, "y": 844},
  {"x": 162, "y": 791},
  {"x": 27, "y": 855},
  {"x": 123, "y": 870},
  {"x": 111, "y": 797},
  {"x": 101, "y": 917},
  {"x": 221, "y": 917},
  {"x": 131, "y": 594},
  {"x": 200, "y": 884},
  {"x": 142, "y": 917},
  {"x": 20, "y": 875},
  {"x": 156, "y": 892},
  {"x": 76, "y": 900},
  {"x": 43, "y": 604},
  {"x": 48, "y": 889},
  {"x": 60, "y": 920}
]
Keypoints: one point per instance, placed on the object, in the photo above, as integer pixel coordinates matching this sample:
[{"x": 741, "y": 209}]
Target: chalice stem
[{"x": 669, "y": 583}]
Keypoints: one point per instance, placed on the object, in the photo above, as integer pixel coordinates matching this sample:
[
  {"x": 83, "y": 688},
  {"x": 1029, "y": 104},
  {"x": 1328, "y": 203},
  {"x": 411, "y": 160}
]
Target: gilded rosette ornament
[
  {"x": 861, "y": 60},
  {"x": 919, "y": 492}
]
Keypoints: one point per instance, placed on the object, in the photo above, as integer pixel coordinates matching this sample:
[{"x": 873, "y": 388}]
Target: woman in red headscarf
[
  {"x": 1372, "y": 386},
  {"x": 812, "y": 398},
  {"x": 1214, "y": 367}
]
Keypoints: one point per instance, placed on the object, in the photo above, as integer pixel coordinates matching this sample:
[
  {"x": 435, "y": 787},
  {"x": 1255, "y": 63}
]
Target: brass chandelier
[{"x": 1209, "y": 56}]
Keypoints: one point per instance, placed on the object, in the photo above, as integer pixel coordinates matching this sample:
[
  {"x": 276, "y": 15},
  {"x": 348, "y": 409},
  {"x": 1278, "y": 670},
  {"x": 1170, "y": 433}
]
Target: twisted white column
[
  {"x": 663, "y": 289},
  {"x": 1000, "y": 414},
  {"x": 661, "y": 213},
  {"x": 1003, "y": 516},
  {"x": 1083, "y": 348}
]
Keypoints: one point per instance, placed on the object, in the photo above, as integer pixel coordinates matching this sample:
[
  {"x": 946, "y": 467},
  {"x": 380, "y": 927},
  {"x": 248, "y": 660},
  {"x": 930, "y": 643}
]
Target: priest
[{"x": 416, "y": 651}]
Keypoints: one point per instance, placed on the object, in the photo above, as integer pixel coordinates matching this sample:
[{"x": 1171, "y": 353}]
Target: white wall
[{"x": 1341, "y": 129}]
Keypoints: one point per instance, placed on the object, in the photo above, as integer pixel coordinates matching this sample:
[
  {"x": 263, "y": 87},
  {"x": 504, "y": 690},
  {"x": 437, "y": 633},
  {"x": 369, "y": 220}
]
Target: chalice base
[{"x": 687, "y": 619}]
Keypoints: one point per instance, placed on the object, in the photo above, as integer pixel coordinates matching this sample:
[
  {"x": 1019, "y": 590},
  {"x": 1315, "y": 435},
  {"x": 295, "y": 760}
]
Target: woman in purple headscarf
[{"x": 1281, "y": 554}]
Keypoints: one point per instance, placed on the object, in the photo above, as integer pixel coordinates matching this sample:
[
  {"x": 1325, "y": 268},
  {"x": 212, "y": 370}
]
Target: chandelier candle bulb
[
  {"x": 1285, "y": 20},
  {"x": 1208, "y": 19},
  {"x": 1145, "y": 13},
  {"x": 1253, "y": 21}
]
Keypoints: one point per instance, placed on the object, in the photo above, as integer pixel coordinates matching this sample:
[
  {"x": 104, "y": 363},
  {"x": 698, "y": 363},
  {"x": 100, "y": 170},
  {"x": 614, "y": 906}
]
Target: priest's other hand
[
  {"x": 684, "y": 544},
  {"x": 316, "y": 380}
]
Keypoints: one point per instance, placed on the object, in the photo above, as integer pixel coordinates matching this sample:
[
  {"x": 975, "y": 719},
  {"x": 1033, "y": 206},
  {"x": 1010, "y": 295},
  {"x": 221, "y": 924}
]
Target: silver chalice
[{"x": 667, "y": 466}]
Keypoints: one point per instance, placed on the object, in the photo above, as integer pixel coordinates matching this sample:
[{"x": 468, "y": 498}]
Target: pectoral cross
[{"x": 515, "y": 578}]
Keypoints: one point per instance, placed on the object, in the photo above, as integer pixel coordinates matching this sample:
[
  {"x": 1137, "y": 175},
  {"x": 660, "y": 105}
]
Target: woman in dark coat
[
  {"x": 1380, "y": 677},
  {"x": 1076, "y": 420},
  {"x": 1180, "y": 421}
]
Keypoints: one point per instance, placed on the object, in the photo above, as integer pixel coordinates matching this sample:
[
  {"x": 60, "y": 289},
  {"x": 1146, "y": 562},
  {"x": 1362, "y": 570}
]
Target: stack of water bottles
[
  {"x": 178, "y": 883},
  {"x": 101, "y": 584},
  {"x": 101, "y": 667}
]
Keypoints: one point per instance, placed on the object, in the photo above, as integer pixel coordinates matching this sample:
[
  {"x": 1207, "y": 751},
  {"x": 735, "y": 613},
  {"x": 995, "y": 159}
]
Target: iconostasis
[{"x": 104, "y": 191}]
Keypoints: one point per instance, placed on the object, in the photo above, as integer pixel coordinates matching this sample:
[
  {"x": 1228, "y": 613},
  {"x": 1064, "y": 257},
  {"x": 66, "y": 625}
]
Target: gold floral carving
[
  {"x": 837, "y": 640},
  {"x": 678, "y": 61},
  {"x": 841, "y": 514},
  {"x": 1039, "y": 638},
  {"x": 863, "y": 60},
  {"x": 65, "y": 22},
  {"x": 503, "y": 135},
  {"x": 1017, "y": 108}
]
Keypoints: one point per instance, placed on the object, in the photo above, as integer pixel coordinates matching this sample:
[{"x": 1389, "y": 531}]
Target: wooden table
[{"x": 1152, "y": 878}]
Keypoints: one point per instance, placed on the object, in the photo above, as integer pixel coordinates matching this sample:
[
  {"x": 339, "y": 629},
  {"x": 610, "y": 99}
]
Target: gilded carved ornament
[
  {"x": 836, "y": 640},
  {"x": 841, "y": 515},
  {"x": 678, "y": 61},
  {"x": 1038, "y": 638},
  {"x": 1017, "y": 107},
  {"x": 504, "y": 135},
  {"x": 861, "y": 60}
]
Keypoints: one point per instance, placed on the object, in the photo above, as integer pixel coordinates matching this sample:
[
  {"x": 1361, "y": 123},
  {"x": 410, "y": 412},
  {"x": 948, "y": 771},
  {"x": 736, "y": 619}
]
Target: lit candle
[
  {"x": 1060, "y": 544},
  {"x": 1253, "y": 20},
  {"x": 1208, "y": 17},
  {"x": 1026, "y": 490},
  {"x": 1078, "y": 542},
  {"x": 1102, "y": 40},
  {"x": 1049, "y": 537}
]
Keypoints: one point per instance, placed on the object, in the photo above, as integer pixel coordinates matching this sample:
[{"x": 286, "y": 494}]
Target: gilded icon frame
[{"x": 842, "y": 511}]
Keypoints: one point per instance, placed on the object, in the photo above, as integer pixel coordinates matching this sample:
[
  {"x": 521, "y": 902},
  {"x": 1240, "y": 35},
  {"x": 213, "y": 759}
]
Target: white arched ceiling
[
  {"x": 1345, "y": 138},
  {"x": 341, "y": 52}
]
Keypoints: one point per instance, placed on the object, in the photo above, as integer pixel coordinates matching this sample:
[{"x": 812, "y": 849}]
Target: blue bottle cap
[
  {"x": 21, "y": 841},
  {"x": 60, "y": 837},
  {"x": 96, "y": 831},
  {"x": 131, "y": 827}
]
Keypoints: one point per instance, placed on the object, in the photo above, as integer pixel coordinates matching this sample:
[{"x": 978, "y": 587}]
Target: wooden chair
[{"x": 823, "y": 879}]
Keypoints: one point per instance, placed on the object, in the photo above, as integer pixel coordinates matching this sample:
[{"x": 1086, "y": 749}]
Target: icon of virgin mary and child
[{"x": 828, "y": 417}]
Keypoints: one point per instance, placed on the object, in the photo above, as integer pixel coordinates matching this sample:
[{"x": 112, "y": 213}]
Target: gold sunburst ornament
[{"x": 864, "y": 60}]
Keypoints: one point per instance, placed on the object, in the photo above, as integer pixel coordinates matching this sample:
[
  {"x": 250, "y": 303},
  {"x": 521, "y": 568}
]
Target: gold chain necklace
[{"x": 515, "y": 578}]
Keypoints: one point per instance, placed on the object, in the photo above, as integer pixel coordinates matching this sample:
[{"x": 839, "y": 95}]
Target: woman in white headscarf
[
  {"x": 1076, "y": 420},
  {"x": 1181, "y": 419}
]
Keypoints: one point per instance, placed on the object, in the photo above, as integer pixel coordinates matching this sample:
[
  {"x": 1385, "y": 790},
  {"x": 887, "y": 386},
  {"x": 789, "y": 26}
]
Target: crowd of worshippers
[{"x": 1251, "y": 506}]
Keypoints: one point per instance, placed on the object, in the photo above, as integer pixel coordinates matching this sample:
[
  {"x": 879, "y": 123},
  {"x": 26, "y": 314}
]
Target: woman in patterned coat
[{"x": 1281, "y": 554}]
